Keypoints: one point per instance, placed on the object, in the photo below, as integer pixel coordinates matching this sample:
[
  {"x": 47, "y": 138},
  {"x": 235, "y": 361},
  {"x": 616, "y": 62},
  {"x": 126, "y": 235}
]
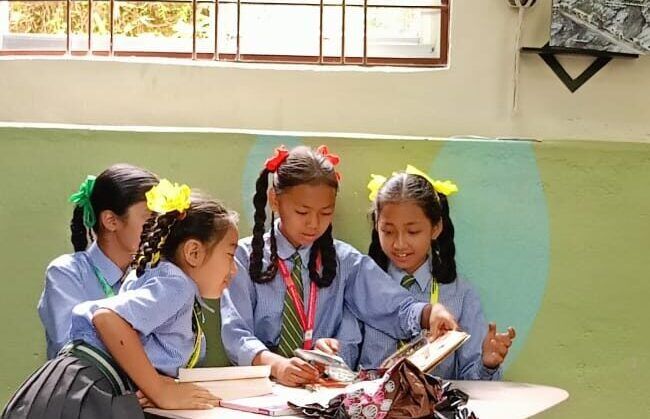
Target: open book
[
  {"x": 230, "y": 383},
  {"x": 426, "y": 353}
]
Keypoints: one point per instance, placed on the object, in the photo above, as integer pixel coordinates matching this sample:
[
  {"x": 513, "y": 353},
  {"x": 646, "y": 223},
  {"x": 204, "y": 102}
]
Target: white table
[{"x": 488, "y": 399}]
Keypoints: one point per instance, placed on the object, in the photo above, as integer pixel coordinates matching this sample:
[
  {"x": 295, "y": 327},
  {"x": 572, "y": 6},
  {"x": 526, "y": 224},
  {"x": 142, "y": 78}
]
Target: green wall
[{"x": 553, "y": 235}]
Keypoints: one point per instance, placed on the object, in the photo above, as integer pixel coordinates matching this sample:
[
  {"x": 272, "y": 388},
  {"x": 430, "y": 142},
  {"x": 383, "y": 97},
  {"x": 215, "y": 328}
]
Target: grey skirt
[{"x": 82, "y": 382}]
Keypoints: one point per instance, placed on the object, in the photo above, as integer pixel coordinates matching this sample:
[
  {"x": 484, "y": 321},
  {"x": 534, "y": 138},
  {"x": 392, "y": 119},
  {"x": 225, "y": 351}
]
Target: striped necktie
[
  {"x": 292, "y": 333},
  {"x": 407, "y": 281}
]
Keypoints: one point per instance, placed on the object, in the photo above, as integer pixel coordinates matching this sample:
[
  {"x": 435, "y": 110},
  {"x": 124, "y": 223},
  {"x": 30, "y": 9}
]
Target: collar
[
  {"x": 422, "y": 274},
  {"x": 112, "y": 273},
  {"x": 286, "y": 249}
]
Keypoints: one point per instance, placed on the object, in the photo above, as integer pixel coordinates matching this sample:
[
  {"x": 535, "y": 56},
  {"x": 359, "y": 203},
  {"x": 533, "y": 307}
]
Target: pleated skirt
[{"x": 82, "y": 382}]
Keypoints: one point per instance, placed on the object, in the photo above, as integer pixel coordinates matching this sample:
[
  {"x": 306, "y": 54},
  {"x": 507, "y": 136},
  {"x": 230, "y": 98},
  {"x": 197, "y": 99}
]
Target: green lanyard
[
  {"x": 108, "y": 290},
  {"x": 197, "y": 320}
]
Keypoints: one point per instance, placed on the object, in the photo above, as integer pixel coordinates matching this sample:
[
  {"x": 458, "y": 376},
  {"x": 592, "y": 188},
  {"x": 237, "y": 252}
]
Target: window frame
[{"x": 238, "y": 56}]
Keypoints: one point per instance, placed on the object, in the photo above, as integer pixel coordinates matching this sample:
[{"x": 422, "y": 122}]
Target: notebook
[
  {"x": 269, "y": 405},
  {"x": 229, "y": 383}
]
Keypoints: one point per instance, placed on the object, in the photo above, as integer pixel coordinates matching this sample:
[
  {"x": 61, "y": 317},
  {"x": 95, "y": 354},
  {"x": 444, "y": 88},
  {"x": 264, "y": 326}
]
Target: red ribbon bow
[
  {"x": 272, "y": 163},
  {"x": 333, "y": 158}
]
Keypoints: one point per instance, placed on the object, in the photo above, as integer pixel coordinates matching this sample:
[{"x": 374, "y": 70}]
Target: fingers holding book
[{"x": 294, "y": 372}]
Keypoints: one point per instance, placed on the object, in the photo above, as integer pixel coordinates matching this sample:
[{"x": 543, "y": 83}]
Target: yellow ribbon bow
[
  {"x": 445, "y": 187},
  {"x": 167, "y": 197}
]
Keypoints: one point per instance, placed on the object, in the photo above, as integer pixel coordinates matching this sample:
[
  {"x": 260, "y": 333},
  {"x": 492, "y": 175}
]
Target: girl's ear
[
  {"x": 193, "y": 253},
  {"x": 437, "y": 229},
  {"x": 273, "y": 200},
  {"x": 108, "y": 220}
]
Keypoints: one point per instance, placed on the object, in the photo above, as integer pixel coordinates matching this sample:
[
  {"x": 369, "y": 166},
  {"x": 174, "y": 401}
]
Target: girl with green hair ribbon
[
  {"x": 109, "y": 212},
  {"x": 127, "y": 350}
]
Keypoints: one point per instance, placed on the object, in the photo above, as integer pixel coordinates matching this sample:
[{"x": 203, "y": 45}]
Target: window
[{"x": 359, "y": 32}]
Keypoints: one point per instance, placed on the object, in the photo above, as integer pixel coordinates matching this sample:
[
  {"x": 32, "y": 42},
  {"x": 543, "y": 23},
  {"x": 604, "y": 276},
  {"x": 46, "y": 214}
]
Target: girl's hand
[
  {"x": 496, "y": 346},
  {"x": 441, "y": 320},
  {"x": 174, "y": 395},
  {"x": 328, "y": 345},
  {"x": 143, "y": 401},
  {"x": 294, "y": 372}
]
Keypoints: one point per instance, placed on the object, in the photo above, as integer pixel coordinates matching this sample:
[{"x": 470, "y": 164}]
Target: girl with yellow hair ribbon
[
  {"x": 413, "y": 241},
  {"x": 139, "y": 338}
]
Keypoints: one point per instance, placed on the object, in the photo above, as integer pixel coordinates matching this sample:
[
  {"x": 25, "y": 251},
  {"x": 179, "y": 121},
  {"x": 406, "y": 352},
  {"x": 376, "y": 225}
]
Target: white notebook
[
  {"x": 269, "y": 405},
  {"x": 230, "y": 383}
]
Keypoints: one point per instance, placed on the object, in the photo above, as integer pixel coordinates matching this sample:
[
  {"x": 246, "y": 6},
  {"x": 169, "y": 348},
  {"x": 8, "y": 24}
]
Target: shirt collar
[
  {"x": 286, "y": 249},
  {"x": 422, "y": 274},
  {"x": 112, "y": 273}
]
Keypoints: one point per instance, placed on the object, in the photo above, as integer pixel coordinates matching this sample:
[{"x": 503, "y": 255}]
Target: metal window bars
[{"x": 362, "y": 57}]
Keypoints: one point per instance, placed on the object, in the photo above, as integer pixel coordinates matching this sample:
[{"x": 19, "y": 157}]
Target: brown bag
[{"x": 404, "y": 392}]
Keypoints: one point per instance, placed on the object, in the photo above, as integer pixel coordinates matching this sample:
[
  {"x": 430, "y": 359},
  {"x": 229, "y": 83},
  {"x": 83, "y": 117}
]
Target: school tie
[
  {"x": 292, "y": 333},
  {"x": 407, "y": 281}
]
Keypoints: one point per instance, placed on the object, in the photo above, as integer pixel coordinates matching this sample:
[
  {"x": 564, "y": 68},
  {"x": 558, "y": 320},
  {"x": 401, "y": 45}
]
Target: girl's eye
[
  {"x": 414, "y": 232},
  {"x": 326, "y": 214},
  {"x": 301, "y": 212},
  {"x": 387, "y": 232}
]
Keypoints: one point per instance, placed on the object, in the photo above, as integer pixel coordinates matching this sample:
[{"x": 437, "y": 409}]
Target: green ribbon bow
[{"x": 81, "y": 198}]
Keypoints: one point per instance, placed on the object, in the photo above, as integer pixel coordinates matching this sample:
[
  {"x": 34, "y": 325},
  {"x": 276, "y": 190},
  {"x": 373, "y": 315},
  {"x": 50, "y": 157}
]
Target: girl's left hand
[
  {"x": 496, "y": 346},
  {"x": 143, "y": 400},
  {"x": 328, "y": 345}
]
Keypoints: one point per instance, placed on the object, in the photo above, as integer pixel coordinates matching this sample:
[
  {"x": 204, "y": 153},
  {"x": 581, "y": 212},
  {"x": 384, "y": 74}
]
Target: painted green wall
[{"x": 553, "y": 235}]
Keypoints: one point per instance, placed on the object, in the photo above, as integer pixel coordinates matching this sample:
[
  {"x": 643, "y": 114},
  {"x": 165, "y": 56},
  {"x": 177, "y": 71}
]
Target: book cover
[{"x": 426, "y": 353}]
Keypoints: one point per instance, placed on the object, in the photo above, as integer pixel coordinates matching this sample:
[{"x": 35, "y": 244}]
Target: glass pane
[
  {"x": 205, "y": 28},
  {"x": 354, "y": 32},
  {"x": 79, "y": 25},
  {"x": 404, "y": 2},
  {"x": 152, "y": 26},
  {"x": 227, "y": 28},
  {"x": 279, "y": 30},
  {"x": 101, "y": 26},
  {"x": 404, "y": 33},
  {"x": 296, "y": 2},
  {"x": 39, "y": 25},
  {"x": 332, "y": 31}
]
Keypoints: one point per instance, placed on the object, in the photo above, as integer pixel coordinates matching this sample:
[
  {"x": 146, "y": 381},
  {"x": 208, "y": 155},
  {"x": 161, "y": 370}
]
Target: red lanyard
[{"x": 307, "y": 323}]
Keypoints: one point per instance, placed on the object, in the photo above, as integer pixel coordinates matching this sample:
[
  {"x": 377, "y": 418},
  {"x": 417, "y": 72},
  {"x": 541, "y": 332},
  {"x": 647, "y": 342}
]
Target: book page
[
  {"x": 223, "y": 373},
  {"x": 237, "y": 389}
]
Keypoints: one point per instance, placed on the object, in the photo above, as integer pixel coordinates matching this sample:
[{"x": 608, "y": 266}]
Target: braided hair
[
  {"x": 206, "y": 220},
  {"x": 303, "y": 166},
  {"x": 116, "y": 189},
  {"x": 403, "y": 187}
]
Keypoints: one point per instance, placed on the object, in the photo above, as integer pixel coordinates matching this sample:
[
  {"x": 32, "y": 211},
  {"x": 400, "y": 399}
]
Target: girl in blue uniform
[
  {"x": 296, "y": 284},
  {"x": 142, "y": 336},
  {"x": 109, "y": 213},
  {"x": 413, "y": 240}
]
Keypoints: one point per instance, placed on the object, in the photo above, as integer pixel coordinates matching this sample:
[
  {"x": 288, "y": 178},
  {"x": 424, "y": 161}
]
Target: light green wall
[{"x": 555, "y": 236}]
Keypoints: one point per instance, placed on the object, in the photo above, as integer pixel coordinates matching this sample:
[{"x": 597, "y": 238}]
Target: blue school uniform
[
  {"x": 252, "y": 312},
  {"x": 462, "y": 301},
  {"x": 158, "y": 305},
  {"x": 83, "y": 381},
  {"x": 70, "y": 280}
]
